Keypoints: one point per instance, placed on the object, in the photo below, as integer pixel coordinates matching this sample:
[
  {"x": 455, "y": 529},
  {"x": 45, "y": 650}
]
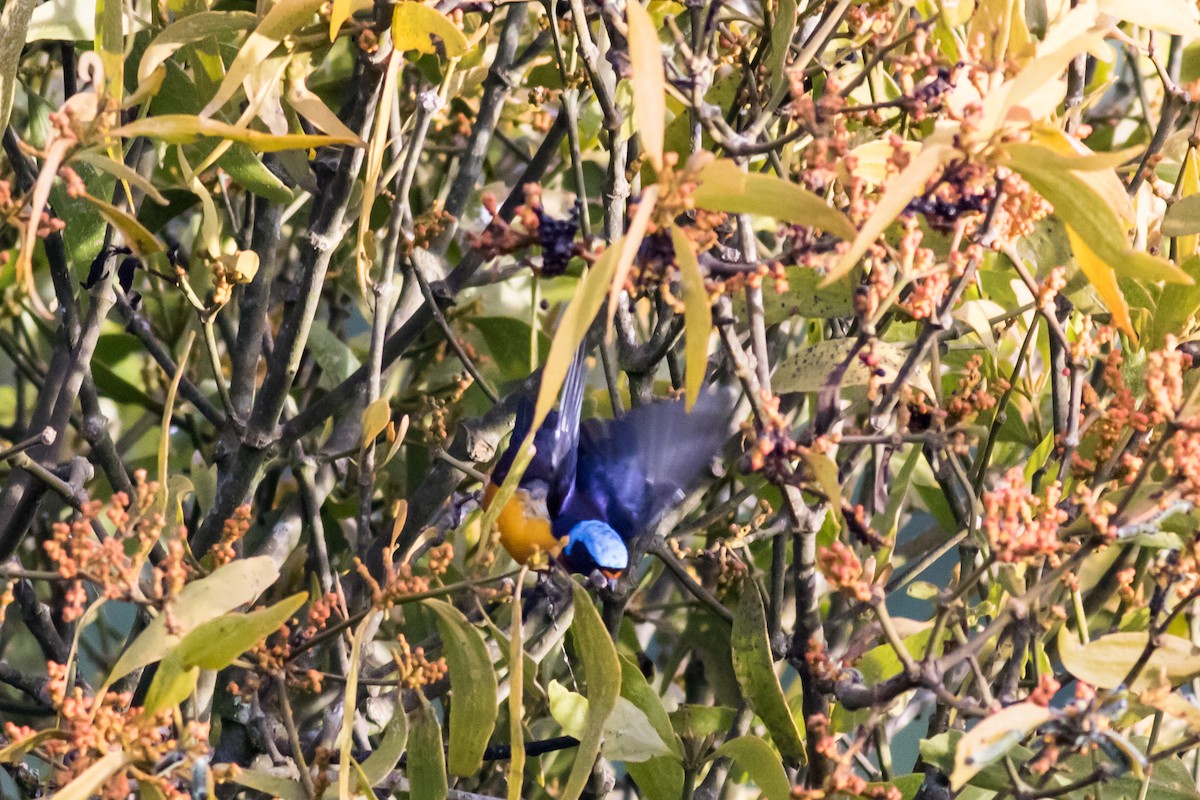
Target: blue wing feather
[
  {"x": 557, "y": 441},
  {"x": 631, "y": 470}
]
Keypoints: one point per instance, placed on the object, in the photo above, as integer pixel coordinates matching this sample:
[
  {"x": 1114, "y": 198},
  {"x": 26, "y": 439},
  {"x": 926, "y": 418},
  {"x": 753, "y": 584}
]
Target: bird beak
[{"x": 612, "y": 584}]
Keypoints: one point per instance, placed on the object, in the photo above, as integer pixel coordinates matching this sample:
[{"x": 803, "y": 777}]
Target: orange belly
[{"x": 524, "y": 526}]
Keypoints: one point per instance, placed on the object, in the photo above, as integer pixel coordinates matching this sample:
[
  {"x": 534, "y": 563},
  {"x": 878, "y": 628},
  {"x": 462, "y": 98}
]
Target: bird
[{"x": 594, "y": 488}]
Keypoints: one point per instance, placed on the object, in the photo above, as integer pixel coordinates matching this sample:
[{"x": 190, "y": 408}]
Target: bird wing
[
  {"x": 557, "y": 441},
  {"x": 633, "y": 469}
]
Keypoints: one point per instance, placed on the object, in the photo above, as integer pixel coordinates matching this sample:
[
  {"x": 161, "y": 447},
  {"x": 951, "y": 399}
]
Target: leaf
[
  {"x": 1103, "y": 277},
  {"x": 216, "y": 643},
  {"x": 899, "y": 193},
  {"x": 386, "y": 755},
  {"x": 187, "y": 30},
  {"x": 602, "y": 670},
  {"x": 339, "y": 12},
  {"x": 659, "y": 778},
  {"x": 426, "y": 765},
  {"x": 1081, "y": 207},
  {"x": 649, "y": 83},
  {"x": 696, "y": 722},
  {"x": 232, "y": 585},
  {"x": 628, "y": 735},
  {"x": 697, "y": 312},
  {"x": 507, "y": 341},
  {"x": 414, "y": 26},
  {"x": 755, "y": 671},
  {"x": 783, "y": 30},
  {"x": 337, "y": 361},
  {"x": 473, "y": 685},
  {"x": 1170, "y": 779},
  {"x": 140, "y": 240},
  {"x": 636, "y": 689},
  {"x": 1176, "y": 17},
  {"x": 119, "y": 170},
  {"x": 802, "y": 298},
  {"x": 992, "y": 737},
  {"x": 273, "y": 785},
  {"x": 1176, "y": 305},
  {"x": 723, "y": 186},
  {"x": 251, "y": 174},
  {"x": 629, "y": 246},
  {"x": 1105, "y": 662},
  {"x": 63, "y": 21},
  {"x": 761, "y": 763},
  {"x": 375, "y": 418},
  {"x": 93, "y": 779},
  {"x": 14, "y": 21},
  {"x": 516, "y": 682},
  {"x": 1182, "y": 218},
  {"x": 312, "y": 108},
  {"x": 184, "y": 129},
  {"x": 15, "y": 751},
  {"x": 807, "y": 370},
  {"x": 285, "y": 17},
  {"x": 173, "y": 683}
]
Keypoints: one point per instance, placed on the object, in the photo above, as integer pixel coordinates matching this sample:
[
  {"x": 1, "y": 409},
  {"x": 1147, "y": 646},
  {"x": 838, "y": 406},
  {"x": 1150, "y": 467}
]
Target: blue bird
[{"x": 596, "y": 487}]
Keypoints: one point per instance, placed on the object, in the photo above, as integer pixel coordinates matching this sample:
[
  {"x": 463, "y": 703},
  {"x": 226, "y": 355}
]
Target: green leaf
[
  {"x": 1176, "y": 305},
  {"x": 174, "y": 681},
  {"x": 603, "y": 673},
  {"x": 507, "y": 340},
  {"x": 724, "y": 187},
  {"x": 63, "y": 21},
  {"x": 414, "y": 26},
  {"x": 636, "y": 689},
  {"x": 228, "y": 587},
  {"x": 248, "y": 171},
  {"x": 216, "y": 643},
  {"x": 694, "y": 722},
  {"x": 993, "y": 736},
  {"x": 1182, "y": 218},
  {"x": 804, "y": 298},
  {"x": 697, "y": 313},
  {"x": 187, "y": 30},
  {"x": 282, "y": 788},
  {"x": 807, "y": 370},
  {"x": 761, "y": 763},
  {"x": 426, "y": 765},
  {"x": 783, "y": 30},
  {"x": 140, "y": 240},
  {"x": 386, "y": 755},
  {"x": 628, "y": 735},
  {"x": 755, "y": 671},
  {"x": 1104, "y": 662},
  {"x": 474, "y": 701},
  {"x": 336, "y": 359}
]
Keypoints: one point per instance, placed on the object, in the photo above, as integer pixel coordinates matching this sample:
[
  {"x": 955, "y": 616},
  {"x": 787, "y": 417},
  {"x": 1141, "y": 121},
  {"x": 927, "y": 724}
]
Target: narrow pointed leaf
[
  {"x": 755, "y": 671},
  {"x": 602, "y": 670},
  {"x": 761, "y": 763},
  {"x": 697, "y": 316},
  {"x": 649, "y": 81},
  {"x": 473, "y": 688}
]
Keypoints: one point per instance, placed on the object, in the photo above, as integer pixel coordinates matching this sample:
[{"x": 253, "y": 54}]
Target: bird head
[{"x": 593, "y": 546}]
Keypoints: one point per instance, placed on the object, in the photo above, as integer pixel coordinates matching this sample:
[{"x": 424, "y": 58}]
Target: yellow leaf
[
  {"x": 339, "y": 12},
  {"x": 284, "y": 18},
  {"x": 1104, "y": 278},
  {"x": 649, "y": 82},
  {"x": 375, "y": 418},
  {"x": 414, "y": 25},
  {"x": 184, "y": 129},
  {"x": 697, "y": 316},
  {"x": 315, "y": 111},
  {"x": 1176, "y": 17},
  {"x": 140, "y": 240},
  {"x": 992, "y": 737},
  {"x": 629, "y": 247},
  {"x": 1189, "y": 186},
  {"x": 871, "y": 159},
  {"x": 1105, "y": 662},
  {"x": 110, "y": 45},
  {"x": 723, "y": 186},
  {"x": 119, "y": 171},
  {"x": 899, "y": 193},
  {"x": 364, "y": 252}
]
